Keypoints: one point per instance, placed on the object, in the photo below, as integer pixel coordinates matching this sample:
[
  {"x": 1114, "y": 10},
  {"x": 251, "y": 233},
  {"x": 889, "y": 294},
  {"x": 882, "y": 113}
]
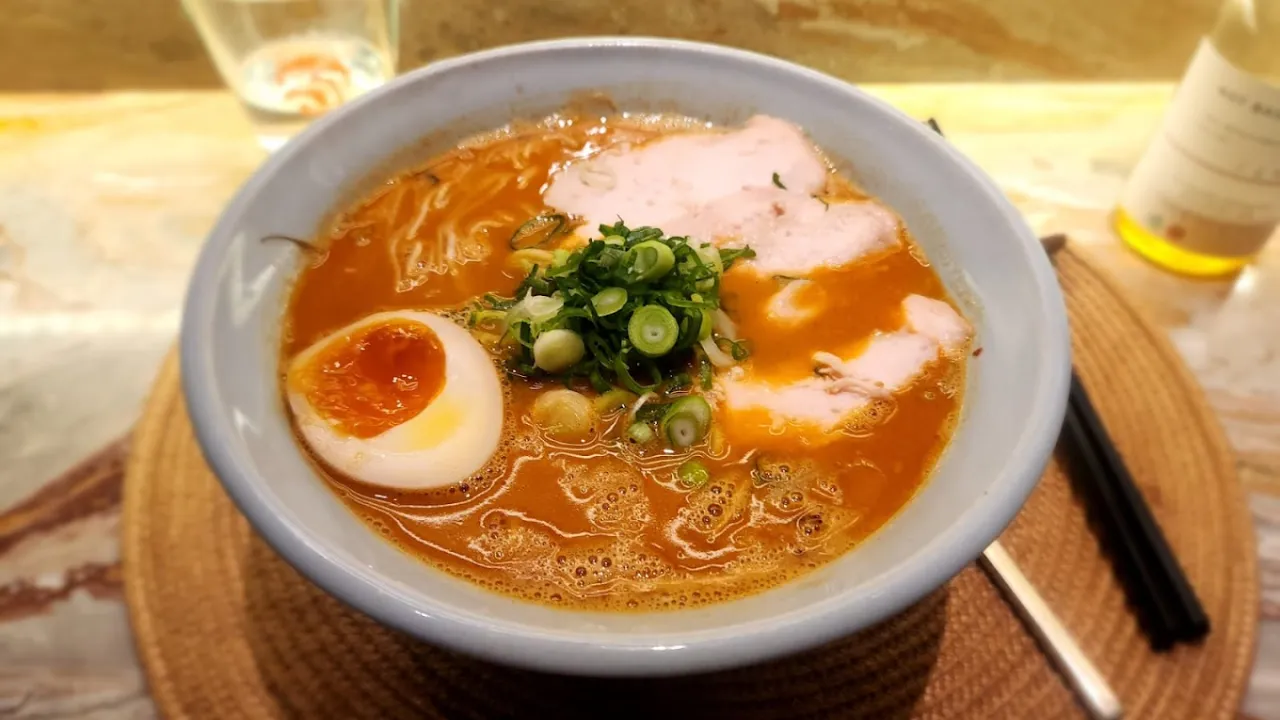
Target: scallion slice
[
  {"x": 539, "y": 230},
  {"x": 538, "y": 308},
  {"x": 693, "y": 474},
  {"x": 704, "y": 373},
  {"x": 707, "y": 321},
  {"x": 681, "y": 430},
  {"x": 686, "y": 421},
  {"x": 609, "y": 301},
  {"x": 614, "y": 399},
  {"x": 710, "y": 255},
  {"x": 695, "y": 405},
  {"x": 558, "y": 350},
  {"x": 640, "y": 433},
  {"x": 650, "y": 260},
  {"x": 653, "y": 330},
  {"x": 718, "y": 357}
]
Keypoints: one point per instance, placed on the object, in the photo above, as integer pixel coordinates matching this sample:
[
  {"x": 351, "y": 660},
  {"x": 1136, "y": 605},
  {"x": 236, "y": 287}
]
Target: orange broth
[{"x": 604, "y": 525}]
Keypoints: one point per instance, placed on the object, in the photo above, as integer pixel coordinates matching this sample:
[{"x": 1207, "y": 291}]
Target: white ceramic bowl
[{"x": 1016, "y": 390}]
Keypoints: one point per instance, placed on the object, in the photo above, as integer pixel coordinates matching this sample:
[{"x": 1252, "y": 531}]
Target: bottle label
[{"x": 1210, "y": 181}]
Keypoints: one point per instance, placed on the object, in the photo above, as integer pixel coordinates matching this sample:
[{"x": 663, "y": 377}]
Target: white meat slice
[
  {"x": 936, "y": 320},
  {"x": 791, "y": 234},
  {"x": 657, "y": 182},
  {"x": 889, "y": 363}
]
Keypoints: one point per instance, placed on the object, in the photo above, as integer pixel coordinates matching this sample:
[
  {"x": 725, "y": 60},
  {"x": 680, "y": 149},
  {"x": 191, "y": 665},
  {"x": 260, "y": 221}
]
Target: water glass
[{"x": 291, "y": 60}]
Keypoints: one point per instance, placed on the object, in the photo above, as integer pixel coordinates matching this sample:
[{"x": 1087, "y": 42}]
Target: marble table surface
[{"x": 105, "y": 198}]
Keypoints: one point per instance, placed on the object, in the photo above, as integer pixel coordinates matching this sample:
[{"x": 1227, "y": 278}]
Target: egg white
[{"x": 451, "y": 439}]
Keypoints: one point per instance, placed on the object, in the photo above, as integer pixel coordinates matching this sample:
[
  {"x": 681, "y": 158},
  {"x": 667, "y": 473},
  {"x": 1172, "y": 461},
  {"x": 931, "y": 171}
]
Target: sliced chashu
[
  {"x": 660, "y": 181},
  {"x": 791, "y": 233},
  {"x": 888, "y": 363}
]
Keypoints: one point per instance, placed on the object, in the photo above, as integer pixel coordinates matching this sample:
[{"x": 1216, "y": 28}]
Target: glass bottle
[{"x": 1205, "y": 197}]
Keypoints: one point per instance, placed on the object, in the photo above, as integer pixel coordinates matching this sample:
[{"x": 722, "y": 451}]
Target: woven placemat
[{"x": 227, "y": 629}]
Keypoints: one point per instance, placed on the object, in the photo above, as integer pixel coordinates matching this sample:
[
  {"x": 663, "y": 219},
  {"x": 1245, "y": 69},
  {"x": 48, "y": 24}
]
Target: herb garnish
[
  {"x": 778, "y": 181},
  {"x": 538, "y": 230},
  {"x": 627, "y": 309}
]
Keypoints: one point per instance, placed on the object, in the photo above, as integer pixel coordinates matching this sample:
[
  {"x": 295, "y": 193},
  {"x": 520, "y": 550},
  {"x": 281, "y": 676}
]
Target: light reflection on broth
[{"x": 604, "y": 524}]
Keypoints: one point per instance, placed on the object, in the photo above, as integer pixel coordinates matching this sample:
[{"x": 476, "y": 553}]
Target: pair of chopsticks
[{"x": 1167, "y": 608}]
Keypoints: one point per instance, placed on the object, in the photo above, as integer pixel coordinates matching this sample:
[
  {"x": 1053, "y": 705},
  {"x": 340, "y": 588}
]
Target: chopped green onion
[
  {"x": 653, "y": 330},
  {"x": 651, "y": 260},
  {"x": 638, "y": 301},
  {"x": 704, "y": 263},
  {"x": 651, "y": 412},
  {"x": 695, "y": 405},
  {"x": 624, "y": 374},
  {"x": 535, "y": 282},
  {"x": 609, "y": 301},
  {"x": 538, "y": 308},
  {"x": 693, "y": 474},
  {"x": 615, "y": 399},
  {"x": 640, "y": 234},
  {"x": 704, "y": 373},
  {"x": 688, "y": 330},
  {"x": 596, "y": 378},
  {"x": 558, "y": 350},
  {"x": 707, "y": 321},
  {"x": 679, "y": 382},
  {"x": 681, "y": 430},
  {"x": 640, "y": 433},
  {"x": 713, "y": 352},
  {"x": 727, "y": 257},
  {"x": 710, "y": 257},
  {"x": 538, "y": 230},
  {"x": 480, "y": 318},
  {"x": 686, "y": 421},
  {"x": 564, "y": 414}
]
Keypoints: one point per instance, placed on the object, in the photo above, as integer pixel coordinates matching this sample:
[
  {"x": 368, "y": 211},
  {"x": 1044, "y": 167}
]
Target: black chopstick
[{"x": 1167, "y": 607}]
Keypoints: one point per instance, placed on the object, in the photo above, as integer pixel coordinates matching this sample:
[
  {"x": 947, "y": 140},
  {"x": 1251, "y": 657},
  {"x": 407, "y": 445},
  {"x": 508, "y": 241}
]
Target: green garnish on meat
[{"x": 638, "y": 301}]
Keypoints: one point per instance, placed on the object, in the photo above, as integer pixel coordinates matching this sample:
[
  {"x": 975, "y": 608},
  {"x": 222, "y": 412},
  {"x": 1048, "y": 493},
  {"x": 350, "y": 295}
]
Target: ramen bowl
[{"x": 991, "y": 263}]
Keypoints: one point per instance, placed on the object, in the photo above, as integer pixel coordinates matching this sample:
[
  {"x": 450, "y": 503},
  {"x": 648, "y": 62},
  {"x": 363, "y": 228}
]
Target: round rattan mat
[{"x": 226, "y": 629}]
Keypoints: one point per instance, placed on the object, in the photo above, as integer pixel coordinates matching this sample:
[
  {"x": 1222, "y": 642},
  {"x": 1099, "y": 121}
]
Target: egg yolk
[{"x": 375, "y": 378}]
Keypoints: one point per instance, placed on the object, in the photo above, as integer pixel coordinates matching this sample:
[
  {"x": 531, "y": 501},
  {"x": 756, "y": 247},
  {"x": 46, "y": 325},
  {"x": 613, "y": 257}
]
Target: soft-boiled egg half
[{"x": 399, "y": 399}]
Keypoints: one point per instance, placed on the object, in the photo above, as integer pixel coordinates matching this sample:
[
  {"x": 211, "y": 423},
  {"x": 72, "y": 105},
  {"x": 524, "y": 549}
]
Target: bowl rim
[{"x": 596, "y": 655}]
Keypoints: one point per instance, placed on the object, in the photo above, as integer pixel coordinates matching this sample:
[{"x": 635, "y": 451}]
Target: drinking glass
[{"x": 291, "y": 60}]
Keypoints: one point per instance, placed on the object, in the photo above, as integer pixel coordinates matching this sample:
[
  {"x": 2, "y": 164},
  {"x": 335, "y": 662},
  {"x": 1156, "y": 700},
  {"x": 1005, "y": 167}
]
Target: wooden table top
[{"x": 105, "y": 199}]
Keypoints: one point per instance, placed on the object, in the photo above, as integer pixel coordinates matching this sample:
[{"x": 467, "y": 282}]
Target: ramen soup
[{"x": 623, "y": 362}]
